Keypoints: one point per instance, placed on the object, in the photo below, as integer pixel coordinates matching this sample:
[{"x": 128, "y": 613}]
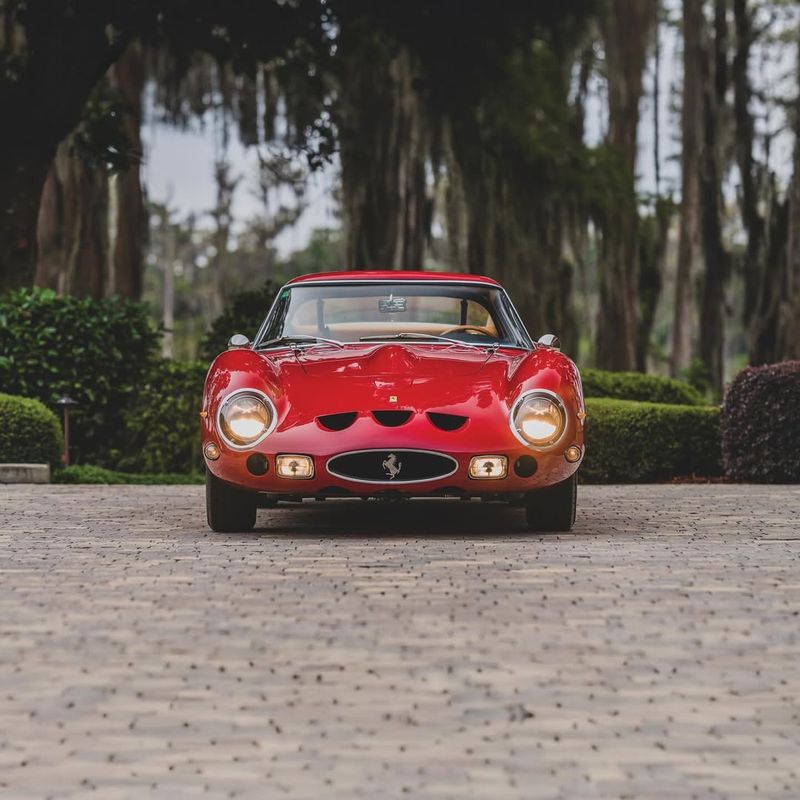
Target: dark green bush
[
  {"x": 244, "y": 314},
  {"x": 760, "y": 428},
  {"x": 162, "y": 422},
  {"x": 29, "y": 432},
  {"x": 630, "y": 442},
  {"x": 638, "y": 386},
  {"x": 96, "y": 351}
]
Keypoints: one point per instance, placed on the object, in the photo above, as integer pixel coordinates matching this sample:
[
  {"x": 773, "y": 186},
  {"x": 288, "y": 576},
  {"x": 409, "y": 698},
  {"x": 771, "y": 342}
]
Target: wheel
[
  {"x": 553, "y": 508},
  {"x": 228, "y": 510}
]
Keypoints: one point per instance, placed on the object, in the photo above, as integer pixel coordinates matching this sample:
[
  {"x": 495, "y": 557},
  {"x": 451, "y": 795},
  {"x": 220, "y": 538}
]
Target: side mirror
[
  {"x": 238, "y": 340},
  {"x": 550, "y": 340}
]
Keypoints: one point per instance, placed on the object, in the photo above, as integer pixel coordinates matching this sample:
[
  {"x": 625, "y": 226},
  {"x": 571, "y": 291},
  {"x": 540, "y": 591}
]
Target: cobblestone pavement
[{"x": 429, "y": 650}]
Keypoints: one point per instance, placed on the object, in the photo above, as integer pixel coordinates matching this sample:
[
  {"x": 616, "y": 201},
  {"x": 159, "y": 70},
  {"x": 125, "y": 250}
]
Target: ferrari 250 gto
[{"x": 392, "y": 385}]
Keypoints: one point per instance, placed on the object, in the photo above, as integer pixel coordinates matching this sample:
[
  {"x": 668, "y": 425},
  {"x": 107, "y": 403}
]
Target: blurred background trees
[{"x": 629, "y": 169}]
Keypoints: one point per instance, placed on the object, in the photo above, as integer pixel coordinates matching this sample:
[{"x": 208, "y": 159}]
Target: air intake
[
  {"x": 447, "y": 422},
  {"x": 392, "y": 419},
  {"x": 337, "y": 422}
]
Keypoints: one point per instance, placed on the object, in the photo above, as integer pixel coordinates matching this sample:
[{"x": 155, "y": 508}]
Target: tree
[
  {"x": 690, "y": 244},
  {"x": 626, "y": 27}
]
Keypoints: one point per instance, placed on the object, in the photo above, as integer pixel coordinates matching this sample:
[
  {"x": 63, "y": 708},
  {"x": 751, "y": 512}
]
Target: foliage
[
  {"x": 162, "y": 428},
  {"x": 29, "y": 432},
  {"x": 85, "y": 473},
  {"x": 244, "y": 314},
  {"x": 630, "y": 442},
  {"x": 760, "y": 431},
  {"x": 95, "y": 351},
  {"x": 638, "y": 386}
]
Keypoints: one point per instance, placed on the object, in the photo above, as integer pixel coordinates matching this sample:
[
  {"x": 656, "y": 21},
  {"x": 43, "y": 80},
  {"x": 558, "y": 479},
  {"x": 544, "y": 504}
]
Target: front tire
[
  {"x": 228, "y": 509},
  {"x": 553, "y": 508}
]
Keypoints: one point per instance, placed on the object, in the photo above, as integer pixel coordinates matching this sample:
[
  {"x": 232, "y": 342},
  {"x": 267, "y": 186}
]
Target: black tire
[
  {"x": 229, "y": 510},
  {"x": 553, "y": 508}
]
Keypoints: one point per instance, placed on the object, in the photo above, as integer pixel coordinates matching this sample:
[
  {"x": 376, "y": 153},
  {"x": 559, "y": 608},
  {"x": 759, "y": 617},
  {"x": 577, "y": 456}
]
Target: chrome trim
[
  {"x": 267, "y": 402},
  {"x": 390, "y": 482},
  {"x": 518, "y": 402}
]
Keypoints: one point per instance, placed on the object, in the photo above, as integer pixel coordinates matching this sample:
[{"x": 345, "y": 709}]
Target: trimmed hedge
[
  {"x": 760, "y": 428},
  {"x": 630, "y": 442},
  {"x": 29, "y": 432},
  {"x": 162, "y": 422},
  {"x": 99, "y": 475},
  {"x": 638, "y": 386},
  {"x": 96, "y": 351}
]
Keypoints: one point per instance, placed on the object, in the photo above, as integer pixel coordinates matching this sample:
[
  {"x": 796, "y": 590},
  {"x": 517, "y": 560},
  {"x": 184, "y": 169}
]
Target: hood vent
[
  {"x": 392, "y": 419},
  {"x": 337, "y": 422},
  {"x": 447, "y": 422}
]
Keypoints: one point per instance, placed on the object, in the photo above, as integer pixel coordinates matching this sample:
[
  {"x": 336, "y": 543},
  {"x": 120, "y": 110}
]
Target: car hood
[{"x": 330, "y": 379}]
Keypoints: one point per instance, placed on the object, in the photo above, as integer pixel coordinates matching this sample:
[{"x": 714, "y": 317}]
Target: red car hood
[{"x": 326, "y": 380}]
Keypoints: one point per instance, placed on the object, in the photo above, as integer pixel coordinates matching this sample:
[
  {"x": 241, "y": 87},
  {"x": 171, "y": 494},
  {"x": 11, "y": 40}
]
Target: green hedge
[
  {"x": 638, "y": 386},
  {"x": 630, "y": 442},
  {"x": 760, "y": 430},
  {"x": 96, "y": 351},
  {"x": 29, "y": 432},
  {"x": 162, "y": 422},
  {"x": 84, "y": 473}
]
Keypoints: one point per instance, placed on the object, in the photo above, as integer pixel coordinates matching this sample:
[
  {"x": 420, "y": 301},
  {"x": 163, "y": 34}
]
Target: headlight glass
[
  {"x": 539, "y": 420},
  {"x": 244, "y": 419}
]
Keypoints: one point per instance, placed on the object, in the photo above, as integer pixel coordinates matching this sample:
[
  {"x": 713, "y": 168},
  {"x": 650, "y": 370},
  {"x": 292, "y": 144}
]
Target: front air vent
[
  {"x": 392, "y": 419},
  {"x": 337, "y": 422},
  {"x": 447, "y": 422}
]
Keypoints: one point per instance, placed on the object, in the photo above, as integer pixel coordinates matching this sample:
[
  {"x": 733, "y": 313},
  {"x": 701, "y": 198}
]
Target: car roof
[{"x": 391, "y": 275}]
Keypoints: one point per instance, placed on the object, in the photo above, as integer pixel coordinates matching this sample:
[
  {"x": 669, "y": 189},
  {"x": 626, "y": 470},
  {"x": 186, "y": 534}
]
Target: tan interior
[{"x": 352, "y": 331}]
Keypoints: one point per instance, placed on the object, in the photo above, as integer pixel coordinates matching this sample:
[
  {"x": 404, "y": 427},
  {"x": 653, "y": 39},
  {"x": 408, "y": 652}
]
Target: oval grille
[{"x": 392, "y": 466}]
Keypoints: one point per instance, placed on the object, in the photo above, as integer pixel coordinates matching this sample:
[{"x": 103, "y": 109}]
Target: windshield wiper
[
  {"x": 298, "y": 339},
  {"x": 408, "y": 335},
  {"x": 426, "y": 337}
]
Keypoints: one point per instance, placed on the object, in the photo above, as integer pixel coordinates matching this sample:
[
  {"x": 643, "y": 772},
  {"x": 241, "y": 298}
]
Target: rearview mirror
[
  {"x": 550, "y": 340},
  {"x": 238, "y": 340}
]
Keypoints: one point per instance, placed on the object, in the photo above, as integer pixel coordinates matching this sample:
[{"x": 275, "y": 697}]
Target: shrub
[
  {"x": 162, "y": 422},
  {"x": 760, "y": 429},
  {"x": 29, "y": 432},
  {"x": 85, "y": 473},
  {"x": 244, "y": 314},
  {"x": 630, "y": 442},
  {"x": 96, "y": 351},
  {"x": 638, "y": 386}
]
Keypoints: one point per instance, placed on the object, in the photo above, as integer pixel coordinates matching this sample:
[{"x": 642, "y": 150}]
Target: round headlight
[
  {"x": 244, "y": 419},
  {"x": 539, "y": 420}
]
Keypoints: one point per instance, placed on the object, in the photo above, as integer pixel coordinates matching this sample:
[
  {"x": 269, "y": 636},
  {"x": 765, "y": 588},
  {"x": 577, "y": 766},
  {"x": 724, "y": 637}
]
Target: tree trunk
[
  {"x": 717, "y": 259},
  {"x": 626, "y": 26},
  {"x": 72, "y": 228},
  {"x": 61, "y": 52},
  {"x": 689, "y": 244},
  {"x": 127, "y": 77},
  {"x": 383, "y": 148}
]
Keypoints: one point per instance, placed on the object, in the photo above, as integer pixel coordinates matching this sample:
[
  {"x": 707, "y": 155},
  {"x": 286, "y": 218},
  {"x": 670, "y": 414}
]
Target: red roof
[{"x": 392, "y": 275}]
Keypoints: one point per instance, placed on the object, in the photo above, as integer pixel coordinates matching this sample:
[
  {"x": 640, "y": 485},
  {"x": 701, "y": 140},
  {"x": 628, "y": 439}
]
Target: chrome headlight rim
[
  {"x": 263, "y": 398},
  {"x": 558, "y": 402}
]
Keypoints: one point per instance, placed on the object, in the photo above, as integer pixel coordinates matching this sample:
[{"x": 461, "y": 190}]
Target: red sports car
[{"x": 392, "y": 385}]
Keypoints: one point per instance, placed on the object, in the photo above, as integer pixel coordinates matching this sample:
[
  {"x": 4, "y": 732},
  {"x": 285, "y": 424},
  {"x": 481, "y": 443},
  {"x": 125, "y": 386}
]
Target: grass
[{"x": 86, "y": 473}]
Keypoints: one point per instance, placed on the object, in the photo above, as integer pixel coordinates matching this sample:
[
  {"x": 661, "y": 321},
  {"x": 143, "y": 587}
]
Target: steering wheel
[{"x": 473, "y": 329}]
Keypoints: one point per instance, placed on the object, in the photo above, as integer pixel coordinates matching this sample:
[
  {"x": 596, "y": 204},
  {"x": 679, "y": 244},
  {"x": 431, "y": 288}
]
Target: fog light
[
  {"x": 488, "y": 467},
  {"x": 293, "y": 466},
  {"x": 572, "y": 453},
  {"x": 211, "y": 451}
]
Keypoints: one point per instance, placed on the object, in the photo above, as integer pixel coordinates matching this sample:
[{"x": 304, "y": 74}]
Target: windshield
[{"x": 420, "y": 312}]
